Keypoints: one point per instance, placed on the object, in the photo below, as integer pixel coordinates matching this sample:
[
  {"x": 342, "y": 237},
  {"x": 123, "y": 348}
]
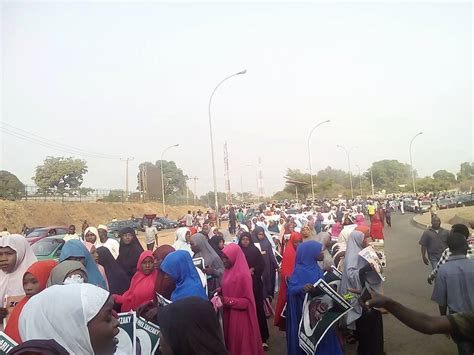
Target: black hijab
[
  {"x": 129, "y": 254},
  {"x": 50, "y": 347},
  {"x": 118, "y": 280},
  {"x": 214, "y": 241},
  {"x": 253, "y": 255},
  {"x": 196, "y": 319}
]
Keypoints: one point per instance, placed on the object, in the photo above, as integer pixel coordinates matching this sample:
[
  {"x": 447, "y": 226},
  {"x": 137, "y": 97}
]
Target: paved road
[{"x": 406, "y": 282}]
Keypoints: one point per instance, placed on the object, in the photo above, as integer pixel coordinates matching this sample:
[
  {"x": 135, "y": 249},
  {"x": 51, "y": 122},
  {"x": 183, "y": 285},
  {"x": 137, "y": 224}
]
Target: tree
[
  {"x": 59, "y": 174},
  {"x": 466, "y": 171},
  {"x": 389, "y": 174},
  {"x": 114, "y": 196},
  {"x": 209, "y": 199},
  {"x": 174, "y": 179},
  {"x": 444, "y": 175},
  {"x": 429, "y": 184},
  {"x": 11, "y": 187}
]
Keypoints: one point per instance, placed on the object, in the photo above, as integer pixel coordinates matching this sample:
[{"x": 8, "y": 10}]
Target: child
[{"x": 34, "y": 281}]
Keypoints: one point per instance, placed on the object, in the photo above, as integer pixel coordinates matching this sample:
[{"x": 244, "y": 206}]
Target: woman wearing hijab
[
  {"x": 129, "y": 252},
  {"x": 67, "y": 272},
  {"x": 213, "y": 265},
  {"x": 78, "y": 317},
  {"x": 183, "y": 235},
  {"x": 217, "y": 243},
  {"x": 17, "y": 257},
  {"x": 196, "y": 318},
  {"x": 256, "y": 265},
  {"x": 271, "y": 264},
  {"x": 376, "y": 228},
  {"x": 34, "y": 281},
  {"x": 179, "y": 266},
  {"x": 241, "y": 331},
  {"x": 164, "y": 284},
  {"x": 325, "y": 239},
  {"x": 91, "y": 234},
  {"x": 93, "y": 251},
  {"x": 46, "y": 347},
  {"x": 287, "y": 267},
  {"x": 117, "y": 278},
  {"x": 142, "y": 286},
  {"x": 359, "y": 274},
  {"x": 75, "y": 250},
  {"x": 306, "y": 273}
]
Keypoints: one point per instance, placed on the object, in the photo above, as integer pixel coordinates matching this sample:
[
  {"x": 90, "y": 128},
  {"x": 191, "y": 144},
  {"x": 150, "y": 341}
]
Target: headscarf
[
  {"x": 75, "y": 248},
  {"x": 129, "y": 253},
  {"x": 362, "y": 228},
  {"x": 179, "y": 266},
  {"x": 252, "y": 255},
  {"x": 62, "y": 313},
  {"x": 265, "y": 245},
  {"x": 40, "y": 270},
  {"x": 92, "y": 230},
  {"x": 142, "y": 287},
  {"x": 164, "y": 284},
  {"x": 360, "y": 220},
  {"x": 266, "y": 231},
  {"x": 60, "y": 271},
  {"x": 288, "y": 261},
  {"x": 118, "y": 280},
  {"x": 196, "y": 318},
  {"x": 353, "y": 262},
  {"x": 324, "y": 238},
  {"x": 11, "y": 284},
  {"x": 181, "y": 243},
  {"x": 100, "y": 267},
  {"x": 38, "y": 347},
  {"x": 211, "y": 259},
  {"x": 214, "y": 241},
  {"x": 307, "y": 270}
]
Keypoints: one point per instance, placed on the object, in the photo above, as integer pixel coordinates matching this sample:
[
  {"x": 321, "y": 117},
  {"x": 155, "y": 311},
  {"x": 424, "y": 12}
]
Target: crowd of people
[{"x": 223, "y": 293}]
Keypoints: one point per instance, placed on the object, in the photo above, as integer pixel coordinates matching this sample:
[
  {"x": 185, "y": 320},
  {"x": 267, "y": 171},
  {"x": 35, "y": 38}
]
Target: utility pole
[
  {"x": 227, "y": 174},
  {"x": 126, "y": 160},
  {"x": 195, "y": 190},
  {"x": 372, "y": 182},
  {"x": 187, "y": 192}
]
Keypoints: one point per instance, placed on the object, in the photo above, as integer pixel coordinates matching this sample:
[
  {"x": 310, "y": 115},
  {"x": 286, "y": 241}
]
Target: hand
[
  {"x": 151, "y": 314},
  {"x": 430, "y": 280},
  {"x": 353, "y": 290},
  {"x": 308, "y": 288},
  {"x": 426, "y": 261},
  {"x": 377, "y": 300},
  {"x": 144, "y": 308},
  {"x": 209, "y": 271},
  {"x": 252, "y": 270}
]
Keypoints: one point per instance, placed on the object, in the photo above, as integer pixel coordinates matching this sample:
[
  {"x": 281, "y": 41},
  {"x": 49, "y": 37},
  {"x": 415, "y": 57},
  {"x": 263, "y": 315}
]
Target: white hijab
[
  {"x": 64, "y": 320},
  {"x": 181, "y": 243},
  {"x": 11, "y": 284}
]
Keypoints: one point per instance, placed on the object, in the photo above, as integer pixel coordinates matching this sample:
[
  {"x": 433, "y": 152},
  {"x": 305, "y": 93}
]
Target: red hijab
[
  {"x": 164, "y": 284},
  {"x": 40, "y": 270},
  {"x": 142, "y": 287}
]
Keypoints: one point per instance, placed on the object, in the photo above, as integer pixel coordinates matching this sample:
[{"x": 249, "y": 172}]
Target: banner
[
  {"x": 6, "y": 343},
  {"x": 148, "y": 335},
  {"x": 9, "y": 302},
  {"x": 321, "y": 310},
  {"x": 333, "y": 278},
  {"x": 199, "y": 263},
  {"x": 126, "y": 336},
  {"x": 373, "y": 259},
  {"x": 162, "y": 301}
]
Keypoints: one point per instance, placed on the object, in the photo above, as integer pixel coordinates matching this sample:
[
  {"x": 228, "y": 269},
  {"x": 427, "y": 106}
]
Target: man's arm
[
  {"x": 416, "y": 320},
  {"x": 423, "y": 255}
]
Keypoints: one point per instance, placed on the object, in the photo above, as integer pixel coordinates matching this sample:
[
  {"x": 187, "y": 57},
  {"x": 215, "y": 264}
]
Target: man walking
[
  {"x": 433, "y": 242},
  {"x": 454, "y": 289},
  {"x": 189, "y": 219},
  {"x": 151, "y": 235}
]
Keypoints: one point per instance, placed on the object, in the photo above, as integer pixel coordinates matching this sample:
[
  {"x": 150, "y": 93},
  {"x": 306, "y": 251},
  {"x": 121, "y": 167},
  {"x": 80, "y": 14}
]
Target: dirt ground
[
  {"x": 450, "y": 216},
  {"x": 47, "y": 213}
]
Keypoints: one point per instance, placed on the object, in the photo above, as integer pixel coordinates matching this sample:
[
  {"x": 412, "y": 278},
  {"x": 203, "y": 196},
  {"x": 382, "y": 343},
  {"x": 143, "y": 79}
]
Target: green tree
[
  {"x": 59, "y": 174},
  {"x": 429, "y": 184},
  {"x": 209, "y": 199},
  {"x": 466, "y": 172},
  {"x": 389, "y": 174},
  {"x": 174, "y": 179},
  {"x": 444, "y": 175},
  {"x": 115, "y": 196},
  {"x": 11, "y": 187}
]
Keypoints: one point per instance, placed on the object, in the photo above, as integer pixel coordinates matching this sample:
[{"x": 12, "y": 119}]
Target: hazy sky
[{"x": 129, "y": 79}]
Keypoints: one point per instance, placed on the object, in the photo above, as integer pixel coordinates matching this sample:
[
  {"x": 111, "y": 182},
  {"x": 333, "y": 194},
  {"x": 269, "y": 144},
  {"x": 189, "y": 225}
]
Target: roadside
[{"x": 448, "y": 217}]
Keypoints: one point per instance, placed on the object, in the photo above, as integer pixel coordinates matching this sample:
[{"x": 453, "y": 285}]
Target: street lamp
[
  {"x": 309, "y": 155},
  {"x": 349, "y": 165},
  {"x": 163, "y": 177},
  {"x": 360, "y": 180},
  {"x": 256, "y": 179},
  {"x": 212, "y": 143},
  {"x": 411, "y": 163}
]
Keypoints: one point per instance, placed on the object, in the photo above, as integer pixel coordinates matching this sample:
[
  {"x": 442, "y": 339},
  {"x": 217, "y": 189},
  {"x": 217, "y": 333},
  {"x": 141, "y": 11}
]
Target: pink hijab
[
  {"x": 241, "y": 331},
  {"x": 360, "y": 220}
]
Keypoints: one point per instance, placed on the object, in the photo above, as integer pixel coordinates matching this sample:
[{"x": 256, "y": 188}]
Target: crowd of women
[{"x": 220, "y": 307}]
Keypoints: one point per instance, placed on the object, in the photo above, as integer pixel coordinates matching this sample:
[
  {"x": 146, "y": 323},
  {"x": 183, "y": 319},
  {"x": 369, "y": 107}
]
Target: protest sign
[
  {"x": 148, "y": 335},
  {"x": 9, "y": 302},
  {"x": 333, "y": 278},
  {"x": 199, "y": 263},
  {"x": 126, "y": 336},
  {"x": 162, "y": 301},
  {"x": 321, "y": 310},
  {"x": 373, "y": 259},
  {"x": 6, "y": 343}
]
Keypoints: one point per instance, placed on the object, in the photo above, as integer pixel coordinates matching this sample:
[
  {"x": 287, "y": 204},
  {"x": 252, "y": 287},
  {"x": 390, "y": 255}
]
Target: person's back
[{"x": 189, "y": 219}]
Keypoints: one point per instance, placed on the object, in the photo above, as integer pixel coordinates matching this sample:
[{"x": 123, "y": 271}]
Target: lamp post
[
  {"x": 309, "y": 156},
  {"x": 372, "y": 182},
  {"x": 212, "y": 143},
  {"x": 349, "y": 165},
  {"x": 360, "y": 180},
  {"x": 163, "y": 177},
  {"x": 411, "y": 163}
]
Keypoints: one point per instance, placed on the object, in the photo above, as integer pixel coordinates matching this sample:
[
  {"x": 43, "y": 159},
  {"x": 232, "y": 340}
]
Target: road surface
[{"x": 406, "y": 282}]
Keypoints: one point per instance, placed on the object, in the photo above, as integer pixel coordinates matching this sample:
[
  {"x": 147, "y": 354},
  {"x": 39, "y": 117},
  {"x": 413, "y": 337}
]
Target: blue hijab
[
  {"x": 75, "y": 248},
  {"x": 307, "y": 271},
  {"x": 179, "y": 266}
]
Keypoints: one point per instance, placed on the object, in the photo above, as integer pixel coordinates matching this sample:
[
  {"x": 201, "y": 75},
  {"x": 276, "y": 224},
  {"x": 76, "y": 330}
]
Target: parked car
[
  {"x": 166, "y": 223},
  {"x": 425, "y": 206},
  {"x": 464, "y": 200},
  {"x": 224, "y": 217},
  {"x": 41, "y": 233},
  {"x": 445, "y": 203},
  {"x": 48, "y": 248},
  {"x": 182, "y": 221}
]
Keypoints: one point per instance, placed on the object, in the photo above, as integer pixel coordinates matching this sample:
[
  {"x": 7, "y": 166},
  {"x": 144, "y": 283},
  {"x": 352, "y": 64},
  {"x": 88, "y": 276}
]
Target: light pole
[
  {"x": 360, "y": 180},
  {"x": 126, "y": 160},
  {"x": 212, "y": 143},
  {"x": 309, "y": 155},
  {"x": 372, "y": 182},
  {"x": 163, "y": 177},
  {"x": 411, "y": 163},
  {"x": 349, "y": 165},
  {"x": 256, "y": 177}
]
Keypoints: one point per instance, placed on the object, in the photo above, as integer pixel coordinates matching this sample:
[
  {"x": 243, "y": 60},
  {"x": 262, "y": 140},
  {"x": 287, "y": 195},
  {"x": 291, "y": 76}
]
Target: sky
[{"x": 130, "y": 79}]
